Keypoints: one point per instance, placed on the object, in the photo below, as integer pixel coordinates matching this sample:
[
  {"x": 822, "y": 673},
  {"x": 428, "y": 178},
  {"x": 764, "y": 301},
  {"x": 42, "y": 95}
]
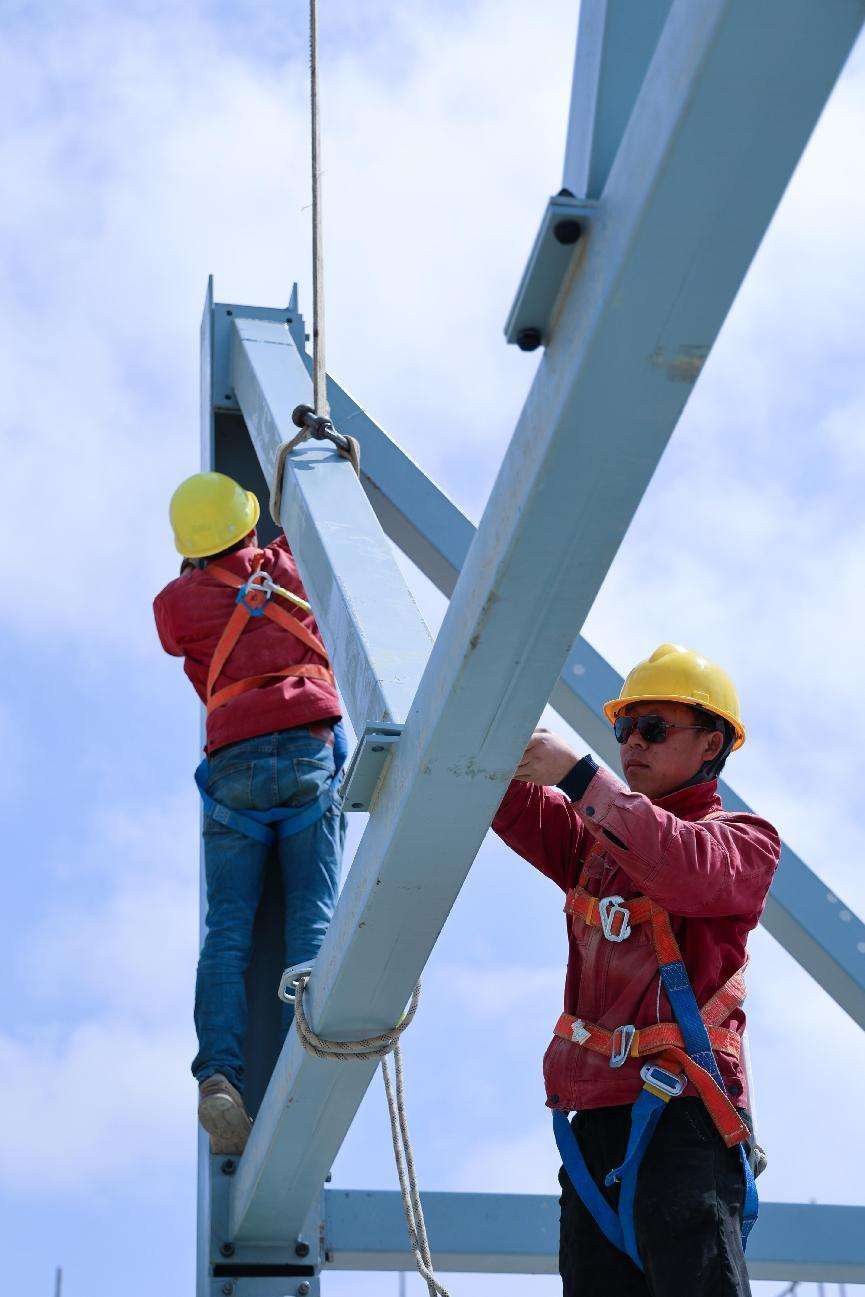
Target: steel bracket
[
  {"x": 367, "y": 767},
  {"x": 559, "y": 241},
  {"x": 286, "y": 1269}
]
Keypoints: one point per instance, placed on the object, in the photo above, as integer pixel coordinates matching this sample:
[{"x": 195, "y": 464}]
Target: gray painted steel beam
[
  {"x": 377, "y": 640},
  {"x": 615, "y": 43},
  {"x": 519, "y": 1234},
  {"x": 661, "y": 267}
]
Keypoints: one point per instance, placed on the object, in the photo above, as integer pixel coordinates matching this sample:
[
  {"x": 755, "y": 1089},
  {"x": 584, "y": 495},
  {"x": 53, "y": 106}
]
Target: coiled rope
[
  {"x": 316, "y": 422},
  {"x": 379, "y": 1048}
]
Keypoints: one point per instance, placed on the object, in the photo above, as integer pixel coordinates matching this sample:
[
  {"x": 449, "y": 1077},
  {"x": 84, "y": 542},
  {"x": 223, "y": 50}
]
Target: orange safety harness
[
  {"x": 680, "y": 1050},
  {"x": 662, "y": 1040},
  {"x": 254, "y": 600}
]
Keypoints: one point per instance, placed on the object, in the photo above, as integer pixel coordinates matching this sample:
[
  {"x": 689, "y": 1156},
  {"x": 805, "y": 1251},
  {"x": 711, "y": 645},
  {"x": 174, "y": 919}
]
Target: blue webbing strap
[
  {"x": 580, "y": 1177},
  {"x": 687, "y": 1014},
  {"x": 620, "y": 1228},
  {"x": 287, "y": 820},
  {"x": 644, "y": 1118},
  {"x": 683, "y": 1002}
]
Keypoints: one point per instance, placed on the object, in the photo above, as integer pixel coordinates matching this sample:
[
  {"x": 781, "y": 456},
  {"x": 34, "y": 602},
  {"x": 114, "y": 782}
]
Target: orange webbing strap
[
  {"x": 309, "y": 670},
  {"x": 582, "y": 905},
  {"x": 646, "y": 1041},
  {"x": 664, "y": 1039},
  {"x": 727, "y": 998},
  {"x": 295, "y": 627},
  {"x": 273, "y": 611},
  {"x": 234, "y": 629},
  {"x": 595, "y": 850}
]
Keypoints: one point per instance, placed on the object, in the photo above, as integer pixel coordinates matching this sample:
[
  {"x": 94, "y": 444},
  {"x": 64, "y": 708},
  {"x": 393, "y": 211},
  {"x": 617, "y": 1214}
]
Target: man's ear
[{"x": 714, "y": 743}]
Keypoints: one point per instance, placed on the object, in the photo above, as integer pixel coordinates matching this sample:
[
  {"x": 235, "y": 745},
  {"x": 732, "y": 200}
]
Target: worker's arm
[
  {"x": 541, "y": 825},
  {"x": 162, "y": 616},
  {"x": 703, "y": 869}
]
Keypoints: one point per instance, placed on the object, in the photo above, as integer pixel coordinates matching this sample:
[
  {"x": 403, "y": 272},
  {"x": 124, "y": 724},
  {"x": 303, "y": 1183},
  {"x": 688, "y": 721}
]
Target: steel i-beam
[
  {"x": 375, "y": 636},
  {"x": 500, "y": 1233}
]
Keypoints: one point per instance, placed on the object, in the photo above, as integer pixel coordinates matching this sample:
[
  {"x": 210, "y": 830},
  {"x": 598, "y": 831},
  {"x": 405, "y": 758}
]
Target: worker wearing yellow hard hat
[
  {"x": 662, "y": 886},
  {"x": 209, "y": 513},
  {"x": 239, "y": 618}
]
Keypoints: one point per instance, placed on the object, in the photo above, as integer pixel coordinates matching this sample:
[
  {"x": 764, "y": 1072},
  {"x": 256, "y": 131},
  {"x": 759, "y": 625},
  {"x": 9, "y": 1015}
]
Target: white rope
[
  {"x": 368, "y": 1049},
  {"x": 319, "y": 370}
]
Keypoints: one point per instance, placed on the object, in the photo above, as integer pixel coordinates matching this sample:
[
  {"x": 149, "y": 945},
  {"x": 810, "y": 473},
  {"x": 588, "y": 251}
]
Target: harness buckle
[
  {"x": 623, "y": 1038},
  {"x": 660, "y": 1079},
  {"x": 609, "y": 909},
  {"x": 259, "y": 587},
  {"x": 579, "y": 1033}
]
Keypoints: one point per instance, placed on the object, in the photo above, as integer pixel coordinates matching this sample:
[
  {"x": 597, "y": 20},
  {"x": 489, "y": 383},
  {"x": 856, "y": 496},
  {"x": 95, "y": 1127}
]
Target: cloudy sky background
[{"x": 146, "y": 147}]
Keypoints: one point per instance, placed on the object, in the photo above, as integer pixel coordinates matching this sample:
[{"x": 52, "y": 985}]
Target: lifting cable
[{"x": 314, "y": 421}]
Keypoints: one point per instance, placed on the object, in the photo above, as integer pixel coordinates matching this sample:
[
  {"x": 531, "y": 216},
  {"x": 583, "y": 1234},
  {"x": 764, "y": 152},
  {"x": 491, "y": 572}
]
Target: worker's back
[{"x": 191, "y": 614}]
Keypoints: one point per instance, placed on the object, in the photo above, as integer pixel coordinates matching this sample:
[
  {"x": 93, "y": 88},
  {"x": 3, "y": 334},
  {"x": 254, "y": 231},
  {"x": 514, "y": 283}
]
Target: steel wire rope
[{"x": 315, "y": 422}]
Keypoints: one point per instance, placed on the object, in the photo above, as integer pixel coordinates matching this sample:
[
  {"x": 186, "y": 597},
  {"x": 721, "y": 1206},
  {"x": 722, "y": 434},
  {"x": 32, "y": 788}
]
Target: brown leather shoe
[{"x": 223, "y": 1115}]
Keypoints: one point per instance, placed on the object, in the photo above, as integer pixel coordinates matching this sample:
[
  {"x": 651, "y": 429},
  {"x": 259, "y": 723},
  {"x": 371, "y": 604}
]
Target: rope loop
[
  {"x": 347, "y": 447},
  {"x": 379, "y": 1048}
]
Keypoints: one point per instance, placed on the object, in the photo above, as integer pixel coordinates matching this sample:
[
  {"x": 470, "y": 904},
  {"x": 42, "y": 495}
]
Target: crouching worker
[
  {"x": 662, "y": 888},
  {"x": 238, "y": 617}
]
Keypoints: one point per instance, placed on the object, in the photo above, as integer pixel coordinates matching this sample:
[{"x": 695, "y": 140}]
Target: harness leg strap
[{"x": 580, "y": 1177}]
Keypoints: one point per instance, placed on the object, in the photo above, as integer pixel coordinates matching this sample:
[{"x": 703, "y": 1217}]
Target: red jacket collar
[{"x": 692, "y": 803}]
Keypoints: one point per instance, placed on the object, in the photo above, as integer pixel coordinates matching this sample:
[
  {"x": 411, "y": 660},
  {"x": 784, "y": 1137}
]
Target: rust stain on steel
[{"x": 681, "y": 366}]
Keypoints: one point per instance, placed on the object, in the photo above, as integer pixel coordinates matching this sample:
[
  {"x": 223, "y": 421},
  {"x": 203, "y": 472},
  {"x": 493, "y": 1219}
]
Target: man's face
[{"x": 658, "y": 768}]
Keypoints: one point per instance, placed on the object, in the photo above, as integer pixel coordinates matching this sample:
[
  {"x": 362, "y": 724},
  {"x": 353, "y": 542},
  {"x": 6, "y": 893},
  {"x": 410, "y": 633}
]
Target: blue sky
[{"x": 147, "y": 146}]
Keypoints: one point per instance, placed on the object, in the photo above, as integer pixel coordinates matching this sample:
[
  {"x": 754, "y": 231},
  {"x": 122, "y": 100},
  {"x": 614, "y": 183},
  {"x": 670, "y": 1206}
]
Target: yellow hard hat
[
  {"x": 678, "y": 675},
  {"x": 210, "y": 512}
]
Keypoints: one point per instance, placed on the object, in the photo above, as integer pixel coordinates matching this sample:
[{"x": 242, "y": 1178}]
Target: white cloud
[
  {"x": 94, "y": 1103},
  {"x": 99, "y": 1078}
]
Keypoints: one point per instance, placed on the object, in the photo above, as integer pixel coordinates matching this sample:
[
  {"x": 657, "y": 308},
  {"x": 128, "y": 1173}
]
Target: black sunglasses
[{"x": 654, "y": 729}]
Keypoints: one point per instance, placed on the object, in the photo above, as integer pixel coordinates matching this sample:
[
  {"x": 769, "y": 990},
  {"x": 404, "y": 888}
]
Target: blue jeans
[{"x": 286, "y": 768}]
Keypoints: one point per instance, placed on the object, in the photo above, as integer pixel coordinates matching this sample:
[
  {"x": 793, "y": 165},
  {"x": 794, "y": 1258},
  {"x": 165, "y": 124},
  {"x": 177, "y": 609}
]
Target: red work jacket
[
  {"x": 713, "y": 877},
  {"x": 191, "y": 614}
]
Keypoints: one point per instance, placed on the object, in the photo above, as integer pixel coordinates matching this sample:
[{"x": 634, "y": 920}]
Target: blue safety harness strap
[
  {"x": 619, "y": 1227},
  {"x": 282, "y": 821},
  {"x": 605, "y": 1216},
  {"x": 683, "y": 1002}
]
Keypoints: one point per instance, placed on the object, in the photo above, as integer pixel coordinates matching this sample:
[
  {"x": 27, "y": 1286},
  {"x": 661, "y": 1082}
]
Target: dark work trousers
[{"x": 688, "y": 1211}]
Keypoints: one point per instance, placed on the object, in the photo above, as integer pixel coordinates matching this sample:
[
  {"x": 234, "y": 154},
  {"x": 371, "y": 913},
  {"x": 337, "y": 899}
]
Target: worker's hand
[{"x": 546, "y": 760}]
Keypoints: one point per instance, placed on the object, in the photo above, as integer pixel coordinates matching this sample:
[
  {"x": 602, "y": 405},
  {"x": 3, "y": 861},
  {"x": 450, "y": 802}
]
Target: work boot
[{"x": 223, "y": 1115}]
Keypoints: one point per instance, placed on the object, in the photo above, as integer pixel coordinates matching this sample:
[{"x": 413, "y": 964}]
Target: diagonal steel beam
[
  {"x": 615, "y": 43},
  {"x": 661, "y": 266},
  {"x": 808, "y": 918},
  {"x": 373, "y": 631},
  {"x": 503, "y": 1233}
]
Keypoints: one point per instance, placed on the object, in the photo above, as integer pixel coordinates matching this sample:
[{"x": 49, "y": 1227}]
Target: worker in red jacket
[
  {"x": 662, "y": 888},
  {"x": 238, "y": 617}
]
